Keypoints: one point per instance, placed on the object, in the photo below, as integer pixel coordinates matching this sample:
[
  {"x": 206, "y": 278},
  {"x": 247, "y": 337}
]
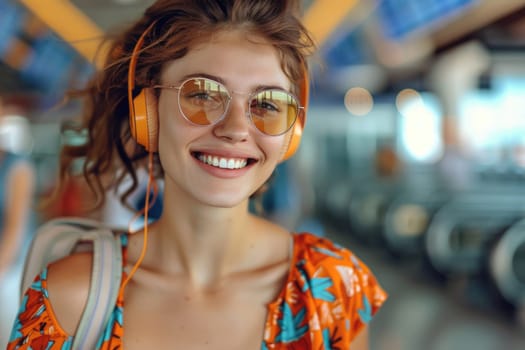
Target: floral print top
[{"x": 328, "y": 297}]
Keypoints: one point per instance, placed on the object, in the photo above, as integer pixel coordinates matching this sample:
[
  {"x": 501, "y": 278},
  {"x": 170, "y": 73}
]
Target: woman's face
[{"x": 186, "y": 150}]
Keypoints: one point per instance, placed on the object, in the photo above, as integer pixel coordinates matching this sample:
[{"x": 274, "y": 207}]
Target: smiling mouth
[{"x": 223, "y": 162}]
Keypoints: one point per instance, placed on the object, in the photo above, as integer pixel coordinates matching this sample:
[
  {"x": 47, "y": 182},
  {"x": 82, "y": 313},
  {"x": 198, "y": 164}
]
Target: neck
[{"x": 203, "y": 243}]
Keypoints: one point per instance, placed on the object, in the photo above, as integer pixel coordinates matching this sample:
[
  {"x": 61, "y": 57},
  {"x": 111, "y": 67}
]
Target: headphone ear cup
[
  {"x": 297, "y": 131},
  {"x": 295, "y": 139},
  {"x": 144, "y": 120}
]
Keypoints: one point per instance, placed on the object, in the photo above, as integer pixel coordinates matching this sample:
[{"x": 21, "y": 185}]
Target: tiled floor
[{"x": 423, "y": 313}]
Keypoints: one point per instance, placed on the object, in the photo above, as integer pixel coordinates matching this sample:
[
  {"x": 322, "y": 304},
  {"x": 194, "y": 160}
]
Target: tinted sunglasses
[{"x": 204, "y": 101}]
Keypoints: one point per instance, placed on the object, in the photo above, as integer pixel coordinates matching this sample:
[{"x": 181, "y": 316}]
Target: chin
[
  {"x": 224, "y": 200},
  {"x": 225, "y": 203}
]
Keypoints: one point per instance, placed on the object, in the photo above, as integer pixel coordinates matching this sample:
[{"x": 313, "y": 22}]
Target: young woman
[{"x": 225, "y": 81}]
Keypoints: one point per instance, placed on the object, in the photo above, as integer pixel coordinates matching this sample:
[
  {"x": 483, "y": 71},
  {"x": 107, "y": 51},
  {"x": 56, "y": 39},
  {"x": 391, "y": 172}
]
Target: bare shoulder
[
  {"x": 273, "y": 242},
  {"x": 68, "y": 283},
  {"x": 267, "y": 226}
]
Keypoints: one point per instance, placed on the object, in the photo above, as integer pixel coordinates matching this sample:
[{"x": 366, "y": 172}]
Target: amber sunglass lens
[
  {"x": 203, "y": 101},
  {"x": 274, "y": 111}
]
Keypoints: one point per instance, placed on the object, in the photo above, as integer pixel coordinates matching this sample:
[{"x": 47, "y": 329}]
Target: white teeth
[{"x": 223, "y": 163}]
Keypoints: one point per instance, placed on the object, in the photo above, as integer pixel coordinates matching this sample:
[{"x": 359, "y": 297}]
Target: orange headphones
[{"x": 143, "y": 118}]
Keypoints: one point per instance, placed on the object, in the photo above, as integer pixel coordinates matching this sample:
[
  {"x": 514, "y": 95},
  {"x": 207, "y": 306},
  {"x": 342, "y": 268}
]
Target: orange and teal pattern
[{"x": 328, "y": 297}]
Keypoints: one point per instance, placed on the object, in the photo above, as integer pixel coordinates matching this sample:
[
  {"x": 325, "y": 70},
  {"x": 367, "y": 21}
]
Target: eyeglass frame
[{"x": 251, "y": 95}]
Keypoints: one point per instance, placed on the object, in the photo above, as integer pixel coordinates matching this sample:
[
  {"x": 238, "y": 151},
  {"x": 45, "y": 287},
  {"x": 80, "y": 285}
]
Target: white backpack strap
[
  {"x": 104, "y": 288},
  {"x": 60, "y": 237},
  {"x": 53, "y": 240}
]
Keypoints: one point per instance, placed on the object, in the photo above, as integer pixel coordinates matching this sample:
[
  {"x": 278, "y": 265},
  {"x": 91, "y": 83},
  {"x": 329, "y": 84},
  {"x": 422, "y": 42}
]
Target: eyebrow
[{"x": 223, "y": 82}]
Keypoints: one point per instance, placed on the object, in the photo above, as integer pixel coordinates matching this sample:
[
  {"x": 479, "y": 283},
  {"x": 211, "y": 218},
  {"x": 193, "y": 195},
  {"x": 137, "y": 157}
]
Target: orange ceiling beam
[
  {"x": 71, "y": 24},
  {"x": 324, "y": 16},
  {"x": 78, "y": 30}
]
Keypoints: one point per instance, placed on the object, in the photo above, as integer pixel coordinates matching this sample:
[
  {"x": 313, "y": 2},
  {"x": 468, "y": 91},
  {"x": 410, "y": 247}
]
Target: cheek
[
  {"x": 170, "y": 136},
  {"x": 171, "y": 124}
]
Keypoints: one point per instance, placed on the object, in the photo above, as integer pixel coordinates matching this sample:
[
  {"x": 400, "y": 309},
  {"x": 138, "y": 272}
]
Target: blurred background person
[{"x": 17, "y": 179}]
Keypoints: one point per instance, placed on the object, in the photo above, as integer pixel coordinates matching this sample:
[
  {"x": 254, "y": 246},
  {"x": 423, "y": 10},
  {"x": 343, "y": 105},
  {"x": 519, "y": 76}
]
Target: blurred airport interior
[{"x": 413, "y": 155}]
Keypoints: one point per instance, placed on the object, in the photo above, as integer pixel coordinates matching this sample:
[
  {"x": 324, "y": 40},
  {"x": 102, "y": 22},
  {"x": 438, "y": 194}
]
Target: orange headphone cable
[{"x": 145, "y": 212}]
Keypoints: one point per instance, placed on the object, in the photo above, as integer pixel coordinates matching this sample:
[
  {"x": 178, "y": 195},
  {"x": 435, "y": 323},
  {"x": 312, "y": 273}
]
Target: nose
[{"x": 235, "y": 125}]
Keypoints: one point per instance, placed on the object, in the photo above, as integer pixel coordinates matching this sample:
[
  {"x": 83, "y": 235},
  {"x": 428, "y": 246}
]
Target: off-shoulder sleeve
[
  {"x": 35, "y": 326},
  {"x": 359, "y": 289},
  {"x": 350, "y": 294}
]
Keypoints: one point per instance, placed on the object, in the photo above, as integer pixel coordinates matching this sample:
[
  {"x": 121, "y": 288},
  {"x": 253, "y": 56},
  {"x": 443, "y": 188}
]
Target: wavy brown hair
[{"x": 178, "y": 26}]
